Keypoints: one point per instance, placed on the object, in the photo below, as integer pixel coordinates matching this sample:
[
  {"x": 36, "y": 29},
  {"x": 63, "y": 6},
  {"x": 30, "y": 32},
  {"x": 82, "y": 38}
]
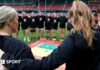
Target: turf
[{"x": 21, "y": 35}]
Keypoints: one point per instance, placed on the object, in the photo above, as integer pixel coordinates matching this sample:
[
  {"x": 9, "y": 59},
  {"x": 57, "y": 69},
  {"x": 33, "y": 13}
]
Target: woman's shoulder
[
  {"x": 13, "y": 41},
  {"x": 96, "y": 31},
  {"x": 76, "y": 34},
  {"x": 78, "y": 39}
]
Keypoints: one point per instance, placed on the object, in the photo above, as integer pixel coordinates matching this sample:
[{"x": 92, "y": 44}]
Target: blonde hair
[
  {"x": 6, "y": 12},
  {"x": 83, "y": 20}
]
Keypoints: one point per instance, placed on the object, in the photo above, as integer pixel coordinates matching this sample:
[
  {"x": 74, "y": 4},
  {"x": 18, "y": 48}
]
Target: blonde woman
[
  {"x": 8, "y": 26},
  {"x": 80, "y": 50}
]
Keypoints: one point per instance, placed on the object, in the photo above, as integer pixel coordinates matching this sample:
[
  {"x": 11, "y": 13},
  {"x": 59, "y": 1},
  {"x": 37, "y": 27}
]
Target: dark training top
[
  {"x": 48, "y": 22},
  {"x": 33, "y": 23},
  {"x": 15, "y": 47},
  {"x": 63, "y": 21},
  {"x": 73, "y": 50}
]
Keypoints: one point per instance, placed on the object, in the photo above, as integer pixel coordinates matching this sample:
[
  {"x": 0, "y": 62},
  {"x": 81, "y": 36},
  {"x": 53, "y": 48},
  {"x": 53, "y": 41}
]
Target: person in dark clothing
[
  {"x": 40, "y": 20},
  {"x": 48, "y": 25},
  {"x": 33, "y": 22},
  {"x": 55, "y": 24},
  {"x": 15, "y": 47},
  {"x": 80, "y": 50},
  {"x": 40, "y": 24},
  {"x": 63, "y": 21},
  {"x": 33, "y": 25},
  {"x": 25, "y": 23},
  {"x": 25, "y": 26},
  {"x": 69, "y": 25},
  {"x": 8, "y": 25},
  {"x": 55, "y": 21},
  {"x": 48, "y": 22},
  {"x": 95, "y": 17},
  {"x": 20, "y": 20}
]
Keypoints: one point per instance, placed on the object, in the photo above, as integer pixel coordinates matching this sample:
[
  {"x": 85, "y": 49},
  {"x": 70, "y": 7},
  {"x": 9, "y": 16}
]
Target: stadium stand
[
  {"x": 94, "y": 2},
  {"x": 50, "y": 4}
]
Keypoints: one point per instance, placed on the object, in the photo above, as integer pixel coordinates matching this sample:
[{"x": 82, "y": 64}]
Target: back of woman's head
[
  {"x": 83, "y": 20},
  {"x": 6, "y": 13}
]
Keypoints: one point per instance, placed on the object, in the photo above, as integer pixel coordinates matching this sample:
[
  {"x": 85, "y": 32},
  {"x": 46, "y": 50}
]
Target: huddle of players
[{"x": 49, "y": 21}]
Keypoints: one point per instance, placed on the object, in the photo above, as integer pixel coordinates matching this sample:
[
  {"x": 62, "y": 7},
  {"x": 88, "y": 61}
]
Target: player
[
  {"x": 33, "y": 25},
  {"x": 48, "y": 25},
  {"x": 63, "y": 21},
  {"x": 40, "y": 24},
  {"x": 25, "y": 26},
  {"x": 55, "y": 24}
]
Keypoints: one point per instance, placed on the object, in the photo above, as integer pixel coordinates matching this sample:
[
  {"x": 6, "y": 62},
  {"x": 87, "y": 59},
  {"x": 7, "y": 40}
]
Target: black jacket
[
  {"x": 73, "y": 50},
  {"x": 15, "y": 47}
]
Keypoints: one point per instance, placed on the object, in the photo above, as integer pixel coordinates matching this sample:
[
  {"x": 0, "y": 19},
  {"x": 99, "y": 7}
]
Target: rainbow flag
[{"x": 43, "y": 47}]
